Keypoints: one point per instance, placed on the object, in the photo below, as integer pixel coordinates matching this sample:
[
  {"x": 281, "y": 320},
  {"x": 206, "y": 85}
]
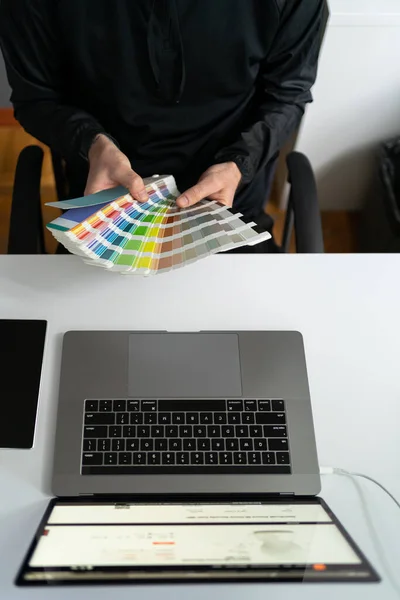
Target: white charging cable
[
  {"x": 375, "y": 537},
  {"x": 336, "y": 471}
]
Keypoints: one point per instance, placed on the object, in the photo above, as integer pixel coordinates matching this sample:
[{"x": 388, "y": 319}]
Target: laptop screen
[{"x": 136, "y": 542}]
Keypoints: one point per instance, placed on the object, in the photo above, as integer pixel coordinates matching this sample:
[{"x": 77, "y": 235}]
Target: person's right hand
[{"x": 109, "y": 167}]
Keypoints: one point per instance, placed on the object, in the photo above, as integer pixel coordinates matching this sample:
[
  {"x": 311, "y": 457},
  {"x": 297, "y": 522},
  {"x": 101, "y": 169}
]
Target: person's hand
[
  {"x": 219, "y": 183},
  {"x": 109, "y": 167}
]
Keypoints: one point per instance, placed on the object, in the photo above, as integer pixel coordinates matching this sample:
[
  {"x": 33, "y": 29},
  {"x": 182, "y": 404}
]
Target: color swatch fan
[{"x": 111, "y": 230}]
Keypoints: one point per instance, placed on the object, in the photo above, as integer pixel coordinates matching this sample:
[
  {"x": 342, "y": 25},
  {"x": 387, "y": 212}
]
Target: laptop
[{"x": 159, "y": 433}]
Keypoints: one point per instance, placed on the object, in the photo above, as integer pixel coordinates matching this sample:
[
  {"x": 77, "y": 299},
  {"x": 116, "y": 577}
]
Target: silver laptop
[
  {"x": 184, "y": 413},
  {"x": 185, "y": 457}
]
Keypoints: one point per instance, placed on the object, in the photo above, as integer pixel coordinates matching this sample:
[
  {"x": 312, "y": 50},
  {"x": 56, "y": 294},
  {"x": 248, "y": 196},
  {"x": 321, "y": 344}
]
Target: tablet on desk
[
  {"x": 21, "y": 357},
  {"x": 81, "y": 542}
]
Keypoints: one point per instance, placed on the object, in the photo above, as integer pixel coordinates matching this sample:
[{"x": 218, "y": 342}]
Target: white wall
[{"x": 357, "y": 99}]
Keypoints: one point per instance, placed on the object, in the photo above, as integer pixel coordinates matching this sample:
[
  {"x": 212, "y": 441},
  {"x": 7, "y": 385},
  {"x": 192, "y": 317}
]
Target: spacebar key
[{"x": 191, "y": 405}]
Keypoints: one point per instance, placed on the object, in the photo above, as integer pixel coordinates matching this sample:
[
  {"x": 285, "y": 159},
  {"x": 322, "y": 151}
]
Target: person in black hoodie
[{"x": 205, "y": 90}]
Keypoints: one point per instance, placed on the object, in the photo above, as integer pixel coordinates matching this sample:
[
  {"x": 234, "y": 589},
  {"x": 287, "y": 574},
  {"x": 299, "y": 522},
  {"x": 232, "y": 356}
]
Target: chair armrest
[
  {"x": 303, "y": 208},
  {"x": 26, "y": 224}
]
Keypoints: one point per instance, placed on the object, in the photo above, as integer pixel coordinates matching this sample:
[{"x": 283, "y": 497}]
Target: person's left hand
[{"x": 218, "y": 183}]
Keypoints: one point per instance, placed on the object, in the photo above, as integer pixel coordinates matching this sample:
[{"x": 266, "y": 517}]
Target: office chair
[{"x": 303, "y": 214}]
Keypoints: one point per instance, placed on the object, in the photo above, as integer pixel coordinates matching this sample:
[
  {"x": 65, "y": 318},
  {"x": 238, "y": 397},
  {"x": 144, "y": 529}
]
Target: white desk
[{"x": 347, "y": 308}]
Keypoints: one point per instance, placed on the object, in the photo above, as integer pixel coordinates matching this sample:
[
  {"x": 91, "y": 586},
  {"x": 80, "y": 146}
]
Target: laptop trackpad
[{"x": 183, "y": 365}]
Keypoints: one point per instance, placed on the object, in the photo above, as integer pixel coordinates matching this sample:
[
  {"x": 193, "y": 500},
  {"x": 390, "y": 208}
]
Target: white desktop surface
[{"x": 347, "y": 308}]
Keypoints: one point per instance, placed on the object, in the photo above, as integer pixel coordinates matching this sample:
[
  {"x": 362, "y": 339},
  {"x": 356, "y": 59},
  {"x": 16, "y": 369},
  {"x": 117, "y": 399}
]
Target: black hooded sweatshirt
[{"x": 180, "y": 85}]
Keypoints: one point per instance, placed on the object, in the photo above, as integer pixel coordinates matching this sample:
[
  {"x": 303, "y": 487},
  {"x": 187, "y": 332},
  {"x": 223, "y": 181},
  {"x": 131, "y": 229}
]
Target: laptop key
[
  {"x": 200, "y": 431},
  {"x": 91, "y": 405},
  {"x": 185, "y": 431},
  {"x": 247, "y": 418},
  {"x": 125, "y": 458},
  {"x": 275, "y": 431},
  {"x": 225, "y": 458},
  {"x": 161, "y": 444},
  {"x": 232, "y": 444},
  {"x": 157, "y": 431},
  {"x": 104, "y": 445},
  {"x": 242, "y": 431},
  {"x": 98, "y": 431},
  {"x": 132, "y": 445},
  {"x": 139, "y": 458},
  {"x": 234, "y": 418},
  {"x": 189, "y": 444},
  {"x": 118, "y": 445},
  {"x": 133, "y": 406},
  {"x": 246, "y": 444},
  {"x": 192, "y": 419},
  {"x": 282, "y": 458},
  {"x": 203, "y": 444},
  {"x": 143, "y": 431},
  {"x": 270, "y": 418},
  {"x": 168, "y": 458},
  {"x": 197, "y": 458},
  {"x": 211, "y": 458},
  {"x": 182, "y": 458},
  {"x": 278, "y": 405},
  {"x": 122, "y": 418},
  {"x": 250, "y": 405},
  {"x": 115, "y": 431},
  {"x": 264, "y": 405},
  {"x": 228, "y": 431},
  {"x": 129, "y": 431},
  {"x": 154, "y": 458},
  {"x": 206, "y": 418},
  {"x": 110, "y": 458},
  {"x": 175, "y": 445},
  {"x": 146, "y": 445},
  {"x": 105, "y": 406},
  {"x": 214, "y": 431},
  {"x": 239, "y": 458},
  {"x": 89, "y": 445},
  {"x": 171, "y": 431},
  {"x": 150, "y": 418},
  {"x": 220, "y": 418},
  {"x": 268, "y": 458},
  {"x": 92, "y": 458},
  {"x": 235, "y": 405},
  {"x": 178, "y": 418},
  {"x": 254, "y": 458},
  {"x": 99, "y": 418},
  {"x": 119, "y": 405},
  {"x": 260, "y": 444},
  {"x": 136, "y": 418},
  {"x": 149, "y": 406},
  {"x": 277, "y": 444},
  {"x": 256, "y": 431},
  {"x": 164, "y": 419},
  {"x": 218, "y": 444}
]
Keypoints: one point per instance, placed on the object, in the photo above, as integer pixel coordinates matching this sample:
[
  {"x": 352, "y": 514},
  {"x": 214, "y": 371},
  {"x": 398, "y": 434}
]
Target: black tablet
[
  {"x": 21, "y": 357},
  {"x": 120, "y": 542}
]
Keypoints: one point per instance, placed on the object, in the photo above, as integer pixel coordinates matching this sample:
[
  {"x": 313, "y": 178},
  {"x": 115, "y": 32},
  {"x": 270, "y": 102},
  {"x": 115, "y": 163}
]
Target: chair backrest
[{"x": 26, "y": 234}]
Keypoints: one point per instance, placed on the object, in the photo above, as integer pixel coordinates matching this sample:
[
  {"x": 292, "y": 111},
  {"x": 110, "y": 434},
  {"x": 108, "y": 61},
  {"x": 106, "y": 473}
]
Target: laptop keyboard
[{"x": 132, "y": 436}]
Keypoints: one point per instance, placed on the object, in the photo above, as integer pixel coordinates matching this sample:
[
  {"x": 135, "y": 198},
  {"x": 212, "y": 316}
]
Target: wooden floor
[{"x": 340, "y": 228}]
